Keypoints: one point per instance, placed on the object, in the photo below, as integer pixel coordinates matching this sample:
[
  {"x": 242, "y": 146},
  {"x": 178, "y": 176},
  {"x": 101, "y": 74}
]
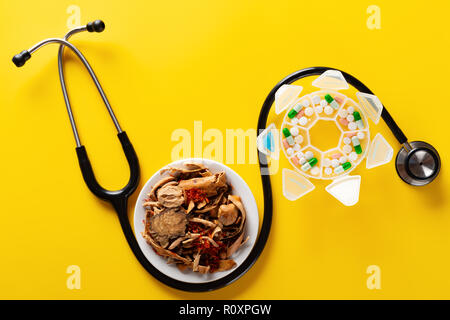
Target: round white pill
[
  {"x": 328, "y": 171},
  {"x": 352, "y": 126},
  {"x": 360, "y": 135},
  {"x": 300, "y": 154},
  {"x": 294, "y": 120},
  {"x": 353, "y": 156},
  {"x": 297, "y": 147},
  {"x": 315, "y": 171},
  {"x": 350, "y": 110},
  {"x": 302, "y": 160},
  {"x": 309, "y": 155},
  {"x": 343, "y": 159},
  {"x": 316, "y": 99},
  {"x": 334, "y": 163},
  {"x": 323, "y": 103},
  {"x": 290, "y": 151},
  {"x": 309, "y": 111},
  {"x": 347, "y": 140},
  {"x": 303, "y": 121},
  {"x": 328, "y": 110},
  {"x": 298, "y": 139},
  {"x": 343, "y": 113},
  {"x": 294, "y": 131},
  {"x": 347, "y": 148},
  {"x": 305, "y": 103},
  {"x": 350, "y": 118},
  {"x": 326, "y": 162},
  {"x": 319, "y": 109}
]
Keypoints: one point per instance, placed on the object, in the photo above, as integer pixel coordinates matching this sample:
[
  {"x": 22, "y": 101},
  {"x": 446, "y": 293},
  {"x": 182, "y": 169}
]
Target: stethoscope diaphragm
[{"x": 418, "y": 163}]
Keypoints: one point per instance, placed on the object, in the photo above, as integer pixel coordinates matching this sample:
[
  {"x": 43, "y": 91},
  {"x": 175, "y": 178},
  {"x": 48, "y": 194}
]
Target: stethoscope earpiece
[
  {"x": 417, "y": 163},
  {"x": 95, "y": 26}
]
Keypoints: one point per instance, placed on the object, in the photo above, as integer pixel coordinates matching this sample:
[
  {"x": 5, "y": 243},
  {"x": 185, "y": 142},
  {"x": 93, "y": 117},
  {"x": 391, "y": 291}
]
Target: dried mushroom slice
[
  {"x": 159, "y": 184},
  {"x": 170, "y": 196},
  {"x": 169, "y": 224}
]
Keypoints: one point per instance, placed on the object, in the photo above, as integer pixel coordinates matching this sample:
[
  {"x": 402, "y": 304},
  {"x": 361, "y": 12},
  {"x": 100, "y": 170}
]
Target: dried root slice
[
  {"x": 211, "y": 241},
  {"x": 225, "y": 265},
  {"x": 204, "y": 222},
  {"x": 164, "y": 252},
  {"x": 216, "y": 231},
  {"x": 196, "y": 262},
  {"x": 176, "y": 243},
  {"x": 232, "y": 249}
]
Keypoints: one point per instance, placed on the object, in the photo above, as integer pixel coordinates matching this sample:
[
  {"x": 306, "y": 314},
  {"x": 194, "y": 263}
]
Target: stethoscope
[{"x": 417, "y": 162}]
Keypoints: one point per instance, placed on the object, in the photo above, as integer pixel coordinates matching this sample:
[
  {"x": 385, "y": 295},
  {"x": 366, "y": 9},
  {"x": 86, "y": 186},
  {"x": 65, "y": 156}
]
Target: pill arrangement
[
  {"x": 303, "y": 115},
  {"x": 331, "y": 149}
]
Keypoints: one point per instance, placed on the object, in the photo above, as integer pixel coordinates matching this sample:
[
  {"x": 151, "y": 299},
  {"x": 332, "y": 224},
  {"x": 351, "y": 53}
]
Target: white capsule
[
  {"x": 347, "y": 140},
  {"x": 360, "y": 135},
  {"x": 305, "y": 103},
  {"x": 316, "y": 99},
  {"x": 309, "y": 111},
  {"x": 334, "y": 163},
  {"x": 328, "y": 110},
  {"x": 350, "y": 110},
  {"x": 294, "y": 120},
  {"x": 302, "y": 160},
  {"x": 353, "y": 156},
  {"x": 343, "y": 113},
  {"x": 309, "y": 155},
  {"x": 319, "y": 109},
  {"x": 299, "y": 139},
  {"x": 294, "y": 131},
  {"x": 334, "y": 104},
  {"x": 323, "y": 103},
  {"x": 328, "y": 171},
  {"x": 352, "y": 126},
  {"x": 303, "y": 121},
  {"x": 343, "y": 159},
  {"x": 347, "y": 149},
  {"x": 326, "y": 162},
  {"x": 290, "y": 151},
  {"x": 297, "y": 147},
  {"x": 350, "y": 118},
  {"x": 338, "y": 170}
]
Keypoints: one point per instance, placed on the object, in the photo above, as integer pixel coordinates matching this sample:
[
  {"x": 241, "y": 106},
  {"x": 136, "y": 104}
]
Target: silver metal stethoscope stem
[{"x": 65, "y": 43}]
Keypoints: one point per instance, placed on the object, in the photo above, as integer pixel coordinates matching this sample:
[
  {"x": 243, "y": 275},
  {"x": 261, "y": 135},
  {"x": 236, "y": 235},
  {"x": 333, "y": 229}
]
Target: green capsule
[
  {"x": 308, "y": 165},
  {"x": 347, "y": 165},
  {"x": 342, "y": 167},
  {"x": 358, "y": 120},
  {"x": 292, "y": 114},
  {"x": 356, "y": 145},
  {"x": 356, "y": 116},
  {"x": 328, "y": 98},
  {"x": 286, "y": 132}
]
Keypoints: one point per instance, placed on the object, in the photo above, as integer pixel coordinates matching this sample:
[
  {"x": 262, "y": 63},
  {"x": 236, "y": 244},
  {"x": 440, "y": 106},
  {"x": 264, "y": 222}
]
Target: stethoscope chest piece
[{"x": 418, "y": 163}]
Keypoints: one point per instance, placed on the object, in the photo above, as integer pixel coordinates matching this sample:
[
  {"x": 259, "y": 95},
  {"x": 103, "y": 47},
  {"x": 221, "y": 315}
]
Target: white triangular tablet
[
  {"x": 268, "y": 142},
  {"x": 295, "y": 185},
  {"x": 345, "y": 189},
  {"x": 371, "y": 105},
  {"x": 331, "y": 79},
  {"x": 286, "y": 96},
  {"x": 380, "y": 152}
]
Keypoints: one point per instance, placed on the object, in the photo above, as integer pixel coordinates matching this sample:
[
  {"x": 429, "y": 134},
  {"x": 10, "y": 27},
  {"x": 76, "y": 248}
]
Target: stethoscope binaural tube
[{"x": 417, "y": 162}]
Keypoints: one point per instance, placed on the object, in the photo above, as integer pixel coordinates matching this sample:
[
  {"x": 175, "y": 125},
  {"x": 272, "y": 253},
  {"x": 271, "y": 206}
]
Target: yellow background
[{"x": 165, "y": 64}]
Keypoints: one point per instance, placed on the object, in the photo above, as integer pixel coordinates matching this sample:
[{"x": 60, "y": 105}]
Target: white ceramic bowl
[{"x": 240, "y": 188}]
